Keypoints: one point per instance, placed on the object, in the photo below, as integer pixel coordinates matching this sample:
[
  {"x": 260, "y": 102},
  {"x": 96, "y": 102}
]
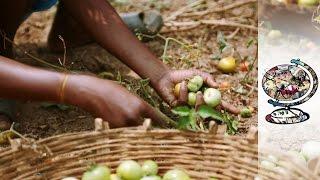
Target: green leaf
[
  {"x": 232, "y": 124},
  {"x": 206, "y": 111},
  {"x": 221, "y": 41},
  {"x": 181, "y": 110},
  {"x": 251, "y": 41},
  {"x": 193, "y": 119},
  {"x": 183, "y": 122},
  {"x": 235, "y": 124}
]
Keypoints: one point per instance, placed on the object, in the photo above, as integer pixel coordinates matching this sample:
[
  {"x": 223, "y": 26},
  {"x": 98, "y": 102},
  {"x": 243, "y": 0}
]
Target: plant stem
[
  {"x": 165, "y": 118},
  {"x": 164, "y": 54},
  {"x": 32, "y": 56}
]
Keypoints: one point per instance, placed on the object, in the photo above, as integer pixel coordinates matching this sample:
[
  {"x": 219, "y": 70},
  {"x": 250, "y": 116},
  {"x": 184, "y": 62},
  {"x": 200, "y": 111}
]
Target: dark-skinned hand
[
  {"x": 110, "y": 101},
  {"x": 166, "y": 85}
]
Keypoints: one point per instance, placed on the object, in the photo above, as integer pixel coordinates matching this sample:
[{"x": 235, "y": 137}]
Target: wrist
[{"x": 77, "y": 90}]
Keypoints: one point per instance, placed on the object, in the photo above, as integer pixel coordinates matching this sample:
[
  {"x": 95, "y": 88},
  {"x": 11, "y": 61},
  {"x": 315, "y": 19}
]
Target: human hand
[
  {"x": 166, "y": 85},
  {"x": 109, "y": 101}
]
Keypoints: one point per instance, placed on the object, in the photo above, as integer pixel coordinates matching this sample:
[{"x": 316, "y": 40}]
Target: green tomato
[
  {"x": 195, "y": 83},
  {"x": 192, "y": 97},
  {"x": 176, "y": 174},
  {"x": 97, "y": 172},
  {"x": 198, "y": 80},
  {"x": 150, "y": 168},
  {"x": 114, "y": 177},
  {"x": 308, "y": 2},
  {"x": 192, "y": 87},
  {"x": 246, "y": 112},
  {"x": 151, "y": 178},
  {"x": 129, "y": 170},
  {"x": 212, "y": 97}
]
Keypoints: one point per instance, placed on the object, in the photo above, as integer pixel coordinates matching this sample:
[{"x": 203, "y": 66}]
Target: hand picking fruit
[
  {"x": 186, "y": 92},
  {"x": 102, "y": 98},
  {"x": 197, "y": 103}
]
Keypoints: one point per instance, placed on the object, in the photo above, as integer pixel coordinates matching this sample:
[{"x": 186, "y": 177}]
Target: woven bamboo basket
[{"x": 202, "y": 155}]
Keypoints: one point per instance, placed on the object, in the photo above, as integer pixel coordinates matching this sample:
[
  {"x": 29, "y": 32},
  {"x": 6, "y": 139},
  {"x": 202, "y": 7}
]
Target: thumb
[{"x": 168, "y": 96}]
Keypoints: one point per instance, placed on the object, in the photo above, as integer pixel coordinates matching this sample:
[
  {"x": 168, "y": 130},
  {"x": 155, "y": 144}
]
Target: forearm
[
  {"x": 106, "y": 27},
  {"x": 19, "y": 81}
]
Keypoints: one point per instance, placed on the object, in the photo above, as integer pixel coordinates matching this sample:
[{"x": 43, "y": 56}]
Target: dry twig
[
  {"x": 30, "y": 55},
  {"x": 220, "y": 9},
  {"x": 180, "y": 11},
  {"x": 221, "y": 22}
]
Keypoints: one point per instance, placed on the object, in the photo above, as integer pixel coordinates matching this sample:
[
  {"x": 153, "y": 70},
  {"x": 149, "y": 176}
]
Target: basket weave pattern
[{"x": 202, "y": 154}]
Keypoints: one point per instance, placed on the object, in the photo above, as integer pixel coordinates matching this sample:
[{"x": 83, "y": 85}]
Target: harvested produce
[
  {"x": 195, "y": 83},
  {"x": 151, "y": 178},
  {"x": 114, "y": 177},
  {"x": 97, "y": 172},
  {"x": 196, "y": 107},
  {"x": 246, "y": 112},
  {"x": 227, "y": 64},
  {"x": 176, "y": 174},
  {"x": 129, "y": 170},
  {"x": 192, "y": 97},
  {"x": 212, "y": 97},
  {"x": 149, "y": 168}
]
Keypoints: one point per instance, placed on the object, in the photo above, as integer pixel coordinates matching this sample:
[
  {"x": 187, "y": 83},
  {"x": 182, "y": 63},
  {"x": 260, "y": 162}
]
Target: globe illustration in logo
[
  {"x": 286, "y": 82},
  {"x": 289, "y": 85}
]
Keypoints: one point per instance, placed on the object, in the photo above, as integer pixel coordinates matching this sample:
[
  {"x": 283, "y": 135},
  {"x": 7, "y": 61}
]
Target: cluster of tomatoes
[
  {"x": 197, "y": 94},
  {"x": 131, "y": 170}
]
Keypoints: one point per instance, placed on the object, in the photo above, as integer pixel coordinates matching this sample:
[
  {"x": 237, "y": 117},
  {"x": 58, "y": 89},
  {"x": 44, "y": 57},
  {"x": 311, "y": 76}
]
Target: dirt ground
[{"x": 38, "y": 121}]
